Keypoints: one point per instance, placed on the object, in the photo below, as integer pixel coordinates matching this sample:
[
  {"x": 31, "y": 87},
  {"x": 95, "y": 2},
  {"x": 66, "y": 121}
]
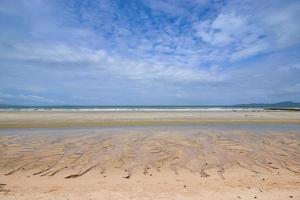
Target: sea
[{"x": 132, "y": 108}]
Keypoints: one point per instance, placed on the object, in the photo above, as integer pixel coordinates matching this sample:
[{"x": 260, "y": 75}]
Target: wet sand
[
  {"x": 225, "y": 155},
  {"x": 63, "y": 119}
]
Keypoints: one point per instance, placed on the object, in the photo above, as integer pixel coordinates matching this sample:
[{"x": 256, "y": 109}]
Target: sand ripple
[{"x": 131, "y": 151}]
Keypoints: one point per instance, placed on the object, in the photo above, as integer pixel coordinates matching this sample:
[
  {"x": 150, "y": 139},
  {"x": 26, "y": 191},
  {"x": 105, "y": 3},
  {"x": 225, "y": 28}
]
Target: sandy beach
[
  {"x": 149, "y": 100},
  {"x": 63, "y": 119},
  {"x": 149, "y": 155}
]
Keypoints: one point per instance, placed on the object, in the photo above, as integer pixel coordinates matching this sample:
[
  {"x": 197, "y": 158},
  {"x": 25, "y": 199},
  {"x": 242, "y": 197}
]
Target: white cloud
[
  {"x": 294, "y": 89},
  {"x": 243, "y": 30},
  {"x": 6, "y": 97},
  {"x": 175, "y": 7},
  {"x": 51, "y": 53},
  {"x": 136, "y": 69},
  {"x": 296, "y": 66},
  {"x": 172, "y": 44},
  {"x": 35, "y": 98},
  {"x": 248, "y": 51},
  {"x": 281, "y": 22},
  {"x": 223, "y": 30},
  {"x": 146, "y": 71},
  {"x": 231, "y": 37}
]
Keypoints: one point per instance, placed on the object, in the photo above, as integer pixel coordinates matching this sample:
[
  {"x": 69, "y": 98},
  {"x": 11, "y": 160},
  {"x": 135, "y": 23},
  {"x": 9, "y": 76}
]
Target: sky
[{"x": 149, "y": 52}]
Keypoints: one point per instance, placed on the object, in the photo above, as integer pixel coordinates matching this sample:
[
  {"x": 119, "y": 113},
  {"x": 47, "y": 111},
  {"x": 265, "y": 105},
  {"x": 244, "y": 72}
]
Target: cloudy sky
[{"x": 149, "y": 52}]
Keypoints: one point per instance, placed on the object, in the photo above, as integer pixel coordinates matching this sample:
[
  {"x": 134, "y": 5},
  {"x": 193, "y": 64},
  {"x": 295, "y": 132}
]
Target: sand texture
[{"x": 152, "y": 162}]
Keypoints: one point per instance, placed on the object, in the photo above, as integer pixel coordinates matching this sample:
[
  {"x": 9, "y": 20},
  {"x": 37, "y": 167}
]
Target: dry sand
[{"x": 152, "y": 162}]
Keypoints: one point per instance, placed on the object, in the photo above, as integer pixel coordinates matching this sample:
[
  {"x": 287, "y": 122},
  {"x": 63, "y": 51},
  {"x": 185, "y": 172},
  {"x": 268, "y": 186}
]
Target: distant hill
[{"x": 285, "y": 104}]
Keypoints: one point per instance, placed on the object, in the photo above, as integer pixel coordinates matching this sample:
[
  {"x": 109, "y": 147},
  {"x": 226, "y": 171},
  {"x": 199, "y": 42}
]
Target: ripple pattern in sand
[{"x": 133, "y": 150}]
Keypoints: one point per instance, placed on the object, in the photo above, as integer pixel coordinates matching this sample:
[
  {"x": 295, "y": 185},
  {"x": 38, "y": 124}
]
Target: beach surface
[
  {"x": 63, "y": 119},
  {"x": 149, "y": 155}
]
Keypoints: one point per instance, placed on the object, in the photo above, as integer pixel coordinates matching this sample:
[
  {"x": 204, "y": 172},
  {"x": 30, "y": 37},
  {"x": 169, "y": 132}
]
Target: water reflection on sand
[{"x": 197, "y": 149}]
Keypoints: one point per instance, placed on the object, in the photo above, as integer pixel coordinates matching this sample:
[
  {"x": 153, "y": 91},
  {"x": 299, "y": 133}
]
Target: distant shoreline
[
  {"x": 133, "y": 109},
  {"x": 281, "y": 106},
  {"x": 148, "y": 109}
]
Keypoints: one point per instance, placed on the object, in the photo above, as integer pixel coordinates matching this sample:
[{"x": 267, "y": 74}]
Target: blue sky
[{"x": 149, "y": 52}]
